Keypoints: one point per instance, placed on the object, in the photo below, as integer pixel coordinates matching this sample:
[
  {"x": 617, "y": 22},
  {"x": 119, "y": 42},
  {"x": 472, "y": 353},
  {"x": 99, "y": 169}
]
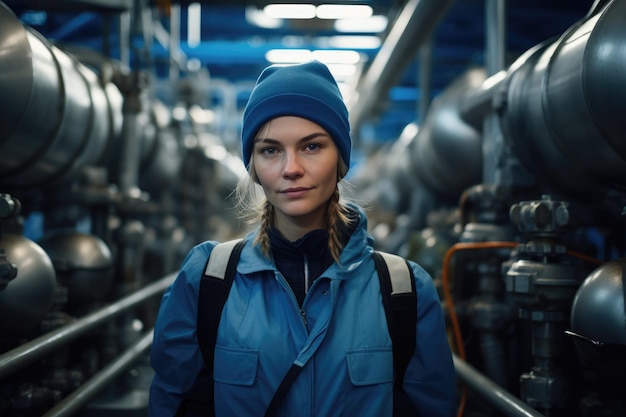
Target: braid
[
  {"x": 337, "y": 221},
  {"x": 267, "y": 222}
]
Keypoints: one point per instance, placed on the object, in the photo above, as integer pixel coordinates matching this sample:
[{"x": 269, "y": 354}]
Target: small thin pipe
[
  {"x": 83, "y": 395},
  {"x": 29, "y": 352},
  {"x": 497, "y": 396}
]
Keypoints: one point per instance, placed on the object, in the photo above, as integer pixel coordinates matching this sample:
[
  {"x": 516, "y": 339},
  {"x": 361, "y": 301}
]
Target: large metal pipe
[
  {"x": 57, "y": 116},
  {"x": 447, "y": 152},
  {"x": 413, "y": 25},
  {"x": 565, "y": 103},
  {"x": 81, "y": 397},
  {"x": 500, "y": 398},
  {"x": 29, "y": 352}
]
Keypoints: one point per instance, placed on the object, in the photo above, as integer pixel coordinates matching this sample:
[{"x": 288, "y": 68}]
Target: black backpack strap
[
  {"x": 282, "y": 389},
  {"x": 400, "y": 302},
  {"x": 214, "y": 288}
]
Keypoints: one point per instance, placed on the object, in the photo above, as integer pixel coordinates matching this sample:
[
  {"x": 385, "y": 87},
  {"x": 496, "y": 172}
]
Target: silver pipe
[
  {"x": 493, "y": 142},
  {"x": 497, "y": 396},
  {"x": 495, "y": 35},
  {"x": 174, "y": 46},
  {"x": 124, "y": 36},
  {"x": 79, "y": 398},
  {"x": 413, "y": 25},
  {"x": 29, "y": 352},
  {"x": 477, "y": 102},
  {"x": 424, "y": 80}
]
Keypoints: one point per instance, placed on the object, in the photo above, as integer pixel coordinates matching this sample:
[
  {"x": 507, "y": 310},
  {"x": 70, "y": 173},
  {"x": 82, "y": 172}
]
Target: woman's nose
[{"x": 293, "y": 165}]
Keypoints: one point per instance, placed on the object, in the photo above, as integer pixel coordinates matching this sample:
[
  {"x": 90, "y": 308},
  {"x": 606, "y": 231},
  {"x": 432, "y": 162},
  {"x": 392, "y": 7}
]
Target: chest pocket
[
  {"x": 370, "y": 366},
  {"x": 235, "y": 366}
]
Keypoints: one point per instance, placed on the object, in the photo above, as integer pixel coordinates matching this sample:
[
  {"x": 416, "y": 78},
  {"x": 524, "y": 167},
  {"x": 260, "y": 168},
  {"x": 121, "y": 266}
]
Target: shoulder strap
[
  {"x": 214, "y": 288},
  {"x": 400, "y": 302}
]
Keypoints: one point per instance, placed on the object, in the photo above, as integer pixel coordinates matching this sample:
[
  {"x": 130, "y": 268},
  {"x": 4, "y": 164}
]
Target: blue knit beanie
[{"x": 304, "y": 90}]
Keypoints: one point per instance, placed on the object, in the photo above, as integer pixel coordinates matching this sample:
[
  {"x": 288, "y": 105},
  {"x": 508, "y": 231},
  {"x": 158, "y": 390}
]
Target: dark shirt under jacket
[{"x": 289, "y": 258}]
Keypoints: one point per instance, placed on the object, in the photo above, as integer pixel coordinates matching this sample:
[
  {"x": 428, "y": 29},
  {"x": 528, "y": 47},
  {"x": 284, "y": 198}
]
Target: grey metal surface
[
  {"x": 60, "y": 117},
  {"x": 565, "y": 103},
  {"x": 27, "y": 297}
]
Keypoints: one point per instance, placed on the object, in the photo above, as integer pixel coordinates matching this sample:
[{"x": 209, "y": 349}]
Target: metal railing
[{"x": 497, "y": 396}]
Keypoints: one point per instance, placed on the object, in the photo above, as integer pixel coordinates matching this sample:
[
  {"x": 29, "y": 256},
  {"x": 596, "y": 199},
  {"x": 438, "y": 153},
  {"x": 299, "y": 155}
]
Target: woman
[{"x": 306, "y": 290}]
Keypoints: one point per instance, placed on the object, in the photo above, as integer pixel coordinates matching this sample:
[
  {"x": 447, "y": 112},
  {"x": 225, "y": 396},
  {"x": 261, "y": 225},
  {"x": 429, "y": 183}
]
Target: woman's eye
[
  {"x": 269, "y": 151},
  {"x": 312, "y": 147}
]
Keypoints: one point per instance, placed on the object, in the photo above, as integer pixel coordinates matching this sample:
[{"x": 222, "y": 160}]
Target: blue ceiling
[{"x": 234, "y": 50}]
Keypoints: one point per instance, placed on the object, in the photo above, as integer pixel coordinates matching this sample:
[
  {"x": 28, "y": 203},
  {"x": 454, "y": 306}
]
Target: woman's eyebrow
[
  {"x": 266, "y": 140},
  {"x": 303, "y": 139}
]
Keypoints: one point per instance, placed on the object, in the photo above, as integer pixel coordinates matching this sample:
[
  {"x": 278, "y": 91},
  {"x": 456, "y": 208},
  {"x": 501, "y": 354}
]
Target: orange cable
[
  {"x": 584, "y": 257},
  {"x": 450, "y": 303}
]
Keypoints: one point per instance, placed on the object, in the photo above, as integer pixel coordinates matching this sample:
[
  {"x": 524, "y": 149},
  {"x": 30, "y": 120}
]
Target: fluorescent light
[
  {"x": 342, "y": 71},
  {"x": 356, "y": 42},
  {"x": 258, "y": 18},
  {"x": 343, "y": 11},
  {"x": 288, "y": 56},
  {"x": 290, "y": 11},
  {"x": 193, "y": 24},
  {"x": 327, "y": 56},
  {"x": 374, "y": 24},
  {"x": 345, "y": 90},
  {"x": 334, "y": 56}
]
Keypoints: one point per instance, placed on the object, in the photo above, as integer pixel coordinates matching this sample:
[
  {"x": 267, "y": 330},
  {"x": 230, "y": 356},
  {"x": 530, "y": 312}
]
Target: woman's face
[{"x": 296, "y": 162}]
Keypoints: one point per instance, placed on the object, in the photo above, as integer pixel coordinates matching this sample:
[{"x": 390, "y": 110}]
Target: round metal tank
[
  {"x": 83, "y": 264},
  {"x": 598, "y": 308},
  {"x": 28, "y": 297},
  {"x": 59, "y": 117},
  {"x": 598, "y": 323},
  {"x": 447, "y": 151},
  {"x": 565, "y": 103}
]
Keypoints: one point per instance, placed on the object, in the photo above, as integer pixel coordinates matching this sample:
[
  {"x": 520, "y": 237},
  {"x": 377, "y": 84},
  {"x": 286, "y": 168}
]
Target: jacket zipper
[{"x": 307, "y": 285}]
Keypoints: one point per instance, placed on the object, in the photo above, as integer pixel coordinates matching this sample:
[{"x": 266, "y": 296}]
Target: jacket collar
[{"x": 358, "y": 248}]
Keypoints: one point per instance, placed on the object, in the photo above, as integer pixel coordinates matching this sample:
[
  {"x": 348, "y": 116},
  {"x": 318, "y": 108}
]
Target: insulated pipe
[
  {"x": 56, "y": 116},
  {"x": 446, "y": 153},
  {"x": 413, "y": 25},
  {"x": 565, "y": 103}
]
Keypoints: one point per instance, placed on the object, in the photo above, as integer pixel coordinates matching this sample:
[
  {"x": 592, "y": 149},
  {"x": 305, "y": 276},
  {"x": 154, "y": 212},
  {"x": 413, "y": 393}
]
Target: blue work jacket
[{"x": 339, "y": 337}]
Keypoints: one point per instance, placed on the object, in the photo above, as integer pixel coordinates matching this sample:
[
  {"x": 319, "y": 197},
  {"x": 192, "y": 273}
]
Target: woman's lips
[{"x": 295, "y": 191}]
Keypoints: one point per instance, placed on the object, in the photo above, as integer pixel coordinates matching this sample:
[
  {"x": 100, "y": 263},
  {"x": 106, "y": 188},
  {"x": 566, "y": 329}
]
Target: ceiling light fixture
[
  {"x": 288, "y": 56},
  {"x": 293, "y": 56},
  {"x": 290, "y": 11},
  {"x": 356, "y": 42},
  {"x": 258, "y": 18},
  {"x": 194, "y": 11},
  {"x": 334, "y": 56},
  {"x": 374, "y": 24},
  {"x": 344, "y": 11},
  {"x": 323, "y": 11}
]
